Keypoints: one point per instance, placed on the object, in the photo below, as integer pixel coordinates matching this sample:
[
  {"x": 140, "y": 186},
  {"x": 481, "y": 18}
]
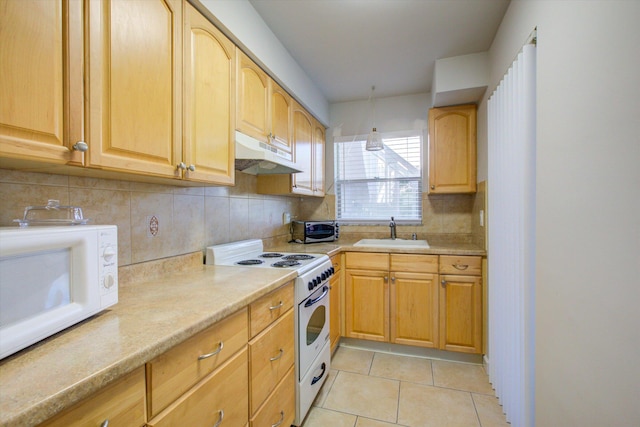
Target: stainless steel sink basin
[{"x": 397, "y": 243}]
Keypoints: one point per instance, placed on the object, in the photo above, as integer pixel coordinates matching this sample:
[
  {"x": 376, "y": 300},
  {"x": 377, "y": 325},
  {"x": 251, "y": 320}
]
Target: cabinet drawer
[
  {"x": 461, "y": 265},
  {"x": 175, "y": 371},
  {"x": 367, "y": 261},
  {"x": 271, "y": 356},
  {"x": 221, "y": 394},
  {"x": 414, "y": 263},
  {"x": 280, "y": 407},
  {"x": 270, "y": 307},
  {"x": 121, "y": 403}
]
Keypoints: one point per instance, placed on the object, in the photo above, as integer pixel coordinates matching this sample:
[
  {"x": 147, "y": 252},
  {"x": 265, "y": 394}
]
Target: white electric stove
[{"x": 312, "y": 346}]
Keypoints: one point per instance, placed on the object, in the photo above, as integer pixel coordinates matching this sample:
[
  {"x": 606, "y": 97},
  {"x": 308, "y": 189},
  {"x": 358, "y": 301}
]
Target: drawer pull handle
[
  {"x": 273, "y": 359},
  {"x": 275, "y": 307},
  {"x": 220, "y": 418},
  {"x": 208, "y": 355},
  {"x": 105, "y": 423},
  {"x": 460, "y": 266},
  {"x": 281, "y": 420}
]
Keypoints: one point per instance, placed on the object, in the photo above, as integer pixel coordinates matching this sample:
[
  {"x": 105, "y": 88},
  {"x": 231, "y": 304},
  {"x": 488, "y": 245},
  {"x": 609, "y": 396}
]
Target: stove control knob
[
  {"x": 317, "y": 280},
  {"x": 324, "y": 276},
  {"x": 310, "y": 285},
  {"x": 330, "y": 272},
  {"x": 333, "y": 270}
]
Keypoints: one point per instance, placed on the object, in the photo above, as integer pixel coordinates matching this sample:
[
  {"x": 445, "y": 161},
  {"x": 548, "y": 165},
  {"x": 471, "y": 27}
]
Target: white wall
[
  {"x": 392, "y": 114},
  {"x": 588, "y": 205},
  {"x": 240, "y": 21}
]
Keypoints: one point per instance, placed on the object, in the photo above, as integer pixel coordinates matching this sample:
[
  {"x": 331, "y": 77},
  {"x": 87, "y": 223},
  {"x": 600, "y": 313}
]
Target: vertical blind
[
  {"x": 372, "y": 186},
  {"x": 511, "y": 240}
]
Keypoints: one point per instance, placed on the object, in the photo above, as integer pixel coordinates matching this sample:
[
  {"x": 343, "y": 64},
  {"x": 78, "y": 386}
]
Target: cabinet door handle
[
  {"x": 393, "y": 279},
  {"x": 460, "y": 266},
  {"x": 182, "y": 166},
  {"x": 105, "y": 423},
  {"x": 82, "y": 147},
  {"x": 277, "y": 306},
  {"x": 220, "y": 418},
  {"x": 208, "y": 355},
  {"x": 433, "y": 187},
  {"x": 281, "y": 420},
  {"x": 273, "y": 359},
  {"x": 443, "y": 282},
  {"x": 386, "y": 279},
  {"x": 192, "y": 168}
]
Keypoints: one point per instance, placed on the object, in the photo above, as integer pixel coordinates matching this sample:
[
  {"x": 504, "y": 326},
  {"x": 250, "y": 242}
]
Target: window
[{"x": 373, "y": 186}]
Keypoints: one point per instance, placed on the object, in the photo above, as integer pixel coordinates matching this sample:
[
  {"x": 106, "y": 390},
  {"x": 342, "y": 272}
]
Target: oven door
[{"x": 313, "y": 327}]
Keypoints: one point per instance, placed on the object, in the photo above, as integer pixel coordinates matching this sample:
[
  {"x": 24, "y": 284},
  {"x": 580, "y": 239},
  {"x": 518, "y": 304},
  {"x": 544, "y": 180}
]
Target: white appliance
[
  {"x": 312, "y": 345},
  {"x": 52, "y": 278}
]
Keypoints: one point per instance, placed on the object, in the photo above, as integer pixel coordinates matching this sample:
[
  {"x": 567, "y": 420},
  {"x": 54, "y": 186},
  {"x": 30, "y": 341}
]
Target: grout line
[{"x": 473, "y": 402}]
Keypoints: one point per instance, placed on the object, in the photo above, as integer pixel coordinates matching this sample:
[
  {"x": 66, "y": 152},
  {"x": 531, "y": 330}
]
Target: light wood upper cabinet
[
  {"x": 252, "y": 98},
  {"x": 301, "y": 182},
  {"x": 280, "y": 119},
  {"x": 317, "y": 169},
  {"x": 209, "y": 101},
  {"x": 41, "y": 92},
  {"x": 308, "y": 146},
  {"x": 135, "y": 86},
  {"x": 452, "y": 149}
]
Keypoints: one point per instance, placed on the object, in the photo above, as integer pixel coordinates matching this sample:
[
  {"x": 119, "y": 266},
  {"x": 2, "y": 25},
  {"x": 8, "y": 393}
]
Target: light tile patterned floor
[{"x": 371, "y": 389}]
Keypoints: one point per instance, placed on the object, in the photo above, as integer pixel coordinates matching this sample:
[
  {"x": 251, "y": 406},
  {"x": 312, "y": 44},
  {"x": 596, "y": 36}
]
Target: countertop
[{"x": 152, "y": 316}]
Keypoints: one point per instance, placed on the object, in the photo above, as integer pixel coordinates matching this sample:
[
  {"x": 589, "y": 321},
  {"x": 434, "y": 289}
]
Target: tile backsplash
[{"x": 186, "y": 220}]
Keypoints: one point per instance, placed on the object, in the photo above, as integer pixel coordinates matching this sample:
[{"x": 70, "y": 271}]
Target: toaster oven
[{"x": 314, "y": 231}]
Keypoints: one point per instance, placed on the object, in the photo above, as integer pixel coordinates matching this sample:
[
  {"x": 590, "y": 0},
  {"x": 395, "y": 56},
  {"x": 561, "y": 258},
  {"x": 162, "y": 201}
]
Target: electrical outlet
[{"x": 286, "y": 218}]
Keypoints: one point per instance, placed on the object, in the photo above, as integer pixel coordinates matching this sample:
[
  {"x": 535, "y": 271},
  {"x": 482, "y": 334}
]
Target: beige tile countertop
[{"x": 150, "y": 318}]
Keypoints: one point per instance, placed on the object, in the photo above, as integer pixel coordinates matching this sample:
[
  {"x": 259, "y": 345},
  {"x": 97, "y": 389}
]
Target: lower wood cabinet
[
  {"x": 271, "y": 359},
  {"x": 280, "y": 408},
  {"x": 335, "y": 295},
  {"x": 221, "y": 397},
  {"x": 119, "y": 404},
  {"x": 414, "y": 300}
]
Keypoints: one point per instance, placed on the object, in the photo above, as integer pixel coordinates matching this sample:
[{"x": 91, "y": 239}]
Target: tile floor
[{"x": 372, "y": 389}]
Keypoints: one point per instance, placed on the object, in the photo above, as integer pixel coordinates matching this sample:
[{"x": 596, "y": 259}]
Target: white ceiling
[{"x": 347, "y": 46}]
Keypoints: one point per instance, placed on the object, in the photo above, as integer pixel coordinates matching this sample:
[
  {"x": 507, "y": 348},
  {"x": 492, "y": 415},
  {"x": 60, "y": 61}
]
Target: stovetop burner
[
  {"x": 271, "y": 255},
  {"x": 250, "y": 262},
  {"x": 284, "y": 264},
  {"x": 298, "y": 257}
]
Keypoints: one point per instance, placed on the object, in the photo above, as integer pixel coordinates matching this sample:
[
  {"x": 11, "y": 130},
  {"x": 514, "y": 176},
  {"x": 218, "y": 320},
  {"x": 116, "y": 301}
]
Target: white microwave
[{"x": 52, "y": 278}]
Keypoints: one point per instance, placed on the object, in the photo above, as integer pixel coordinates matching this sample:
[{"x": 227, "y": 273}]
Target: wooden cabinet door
[
  {"x": 135, "y": 76},
  {"x": 367, "y": 305},
  {"x": 302, "y": 140},
  {"x": 121, "y": 403},
  {"x": 41, "y": 88},
  {"x": 252, "y": 98},
  {"x": 334, "y": 315},
  {"x": 461, "y": 313},
  {"x": 280, "y": 119},
  {"x": 414, "y": 309},
  {"x": 220, "y": 396},
  {"x": 452, "y": 149},
  {"x": 318, "y": 159},
  {"x": 209, "y": 101}
]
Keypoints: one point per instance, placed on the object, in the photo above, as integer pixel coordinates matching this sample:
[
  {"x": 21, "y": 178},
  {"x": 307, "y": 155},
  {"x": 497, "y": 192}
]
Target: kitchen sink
[{"x": 397, "y": 243}]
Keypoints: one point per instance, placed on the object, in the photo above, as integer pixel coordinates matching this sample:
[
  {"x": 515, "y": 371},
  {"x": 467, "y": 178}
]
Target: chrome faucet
[{"x": 392, "y": 226}]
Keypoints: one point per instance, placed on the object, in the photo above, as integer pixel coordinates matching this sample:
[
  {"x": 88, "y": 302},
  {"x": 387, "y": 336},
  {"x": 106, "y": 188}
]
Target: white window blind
[{"x": 373, "y": 186}]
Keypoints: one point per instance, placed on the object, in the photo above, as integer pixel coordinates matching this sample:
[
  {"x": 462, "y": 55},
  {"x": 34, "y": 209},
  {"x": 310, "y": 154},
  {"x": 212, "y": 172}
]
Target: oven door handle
[
  {"x": 310, "y": 302},
  {"x": 319, "y": 377}
]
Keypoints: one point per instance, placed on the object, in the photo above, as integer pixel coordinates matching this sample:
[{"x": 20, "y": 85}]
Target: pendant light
[{"x": 374, "y": 141}]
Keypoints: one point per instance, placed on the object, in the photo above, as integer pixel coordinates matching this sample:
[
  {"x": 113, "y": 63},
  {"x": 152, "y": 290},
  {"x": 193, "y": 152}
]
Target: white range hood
[{"x": 257, "y": 158}]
